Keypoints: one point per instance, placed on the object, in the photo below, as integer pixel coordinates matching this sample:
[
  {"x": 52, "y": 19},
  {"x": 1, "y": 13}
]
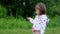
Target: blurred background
[{"x": 13, "y": 15}]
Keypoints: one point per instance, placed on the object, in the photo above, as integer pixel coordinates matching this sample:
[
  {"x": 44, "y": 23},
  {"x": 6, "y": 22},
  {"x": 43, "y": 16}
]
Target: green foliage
[
  {"x": 11, "y": 22},
  {"x": 54, "y": 22},
  {"x": 11, "y": 25},
  {"x": 19, "y": 9},
  {"x": 14, "y": 23},
  {"x": 18, "y": 25},
  {"x": 3, "y": 11}
]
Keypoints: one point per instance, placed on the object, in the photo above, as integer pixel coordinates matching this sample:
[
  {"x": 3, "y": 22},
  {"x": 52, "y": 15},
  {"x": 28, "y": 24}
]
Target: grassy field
[
  {"x": 21, "y": 26},
  {"x": 55, "y": 30}
]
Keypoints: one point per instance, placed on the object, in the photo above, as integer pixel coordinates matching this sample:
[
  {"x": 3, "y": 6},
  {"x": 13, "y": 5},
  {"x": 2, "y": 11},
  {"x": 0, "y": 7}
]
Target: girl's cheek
[{"x": 36, "y": 12}]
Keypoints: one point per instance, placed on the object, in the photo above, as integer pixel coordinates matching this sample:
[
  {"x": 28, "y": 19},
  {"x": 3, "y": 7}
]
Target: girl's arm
[
  {"x": 33, "y": 20},
  {"x": 30, "y": 19}
]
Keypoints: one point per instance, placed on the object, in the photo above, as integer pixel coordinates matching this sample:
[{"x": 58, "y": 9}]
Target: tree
[{"x": 26, "y": 8}]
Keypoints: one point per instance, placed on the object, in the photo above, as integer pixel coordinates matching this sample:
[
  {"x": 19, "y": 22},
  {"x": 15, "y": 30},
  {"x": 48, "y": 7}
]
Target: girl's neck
[{"x": 40, "y": 15}]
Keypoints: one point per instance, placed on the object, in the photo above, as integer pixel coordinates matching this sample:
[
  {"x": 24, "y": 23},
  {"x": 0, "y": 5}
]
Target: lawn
[
  {"x": 21, "y": 26},
  {"x": 55, "y": 30}
]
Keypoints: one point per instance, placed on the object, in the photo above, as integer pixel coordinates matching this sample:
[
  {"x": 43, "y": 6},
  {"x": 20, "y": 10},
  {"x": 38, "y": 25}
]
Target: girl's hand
[{"x": 28, "y": 18}]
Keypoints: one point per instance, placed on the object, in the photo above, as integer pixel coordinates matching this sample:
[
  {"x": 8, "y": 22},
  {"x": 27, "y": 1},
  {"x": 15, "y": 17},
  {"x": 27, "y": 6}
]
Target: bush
[
  {"x": 3, "y": 11},
  {"x": 11, "y": 22},
  {"x": 54, "y": 22}
]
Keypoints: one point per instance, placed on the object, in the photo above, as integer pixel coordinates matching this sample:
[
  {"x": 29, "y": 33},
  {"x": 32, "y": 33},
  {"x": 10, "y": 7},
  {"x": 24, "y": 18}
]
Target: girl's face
[{"x": 37, "y": 11}]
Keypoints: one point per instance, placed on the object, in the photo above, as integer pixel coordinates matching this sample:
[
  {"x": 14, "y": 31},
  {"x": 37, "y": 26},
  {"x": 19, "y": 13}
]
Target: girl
[{"x": 41, "y": 20}]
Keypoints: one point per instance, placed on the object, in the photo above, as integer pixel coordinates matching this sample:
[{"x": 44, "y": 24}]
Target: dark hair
[{"x": 41, "y": 7}]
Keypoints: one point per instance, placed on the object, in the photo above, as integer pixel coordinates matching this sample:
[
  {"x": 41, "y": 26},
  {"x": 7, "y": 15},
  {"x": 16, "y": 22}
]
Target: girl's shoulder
[
  {"x": 41, "y": 16},
  {"x": 44, "y": 16}
]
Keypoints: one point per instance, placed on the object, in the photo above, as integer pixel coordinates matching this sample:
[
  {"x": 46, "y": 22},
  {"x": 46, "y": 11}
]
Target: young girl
[{"x": 41, "y": 20}]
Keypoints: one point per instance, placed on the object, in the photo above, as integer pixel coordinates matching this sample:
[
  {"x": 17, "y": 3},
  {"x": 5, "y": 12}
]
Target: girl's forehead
[{"x": 37, "y": 7}]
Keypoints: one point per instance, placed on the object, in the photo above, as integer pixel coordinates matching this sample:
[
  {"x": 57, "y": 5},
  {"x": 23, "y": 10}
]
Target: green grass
[
  {"x": 14, "y": 23},
  {"x": 15, "y": 31},
  {"x": 10, "y": 25},
  {"x": 55, "y": 30}
]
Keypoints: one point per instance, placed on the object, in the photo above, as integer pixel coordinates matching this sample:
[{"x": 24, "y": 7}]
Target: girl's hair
[{"x": 41, "y": 7}]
